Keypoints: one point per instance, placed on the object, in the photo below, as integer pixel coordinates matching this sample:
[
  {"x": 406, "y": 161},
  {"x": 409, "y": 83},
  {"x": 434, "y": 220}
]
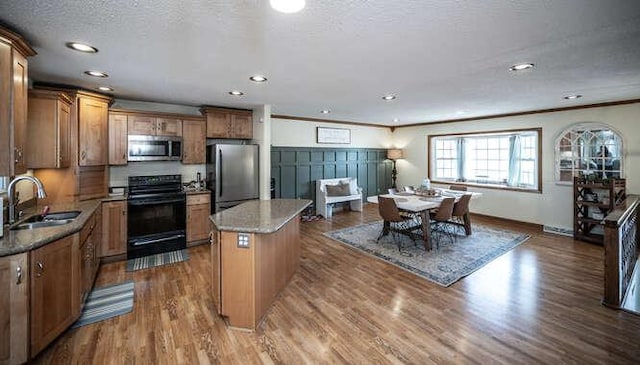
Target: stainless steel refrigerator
[{"x": 232, "y": 174}]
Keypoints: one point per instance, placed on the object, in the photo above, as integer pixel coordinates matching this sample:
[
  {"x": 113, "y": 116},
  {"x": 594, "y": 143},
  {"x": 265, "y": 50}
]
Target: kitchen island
[{"x": 255, "y": 250}]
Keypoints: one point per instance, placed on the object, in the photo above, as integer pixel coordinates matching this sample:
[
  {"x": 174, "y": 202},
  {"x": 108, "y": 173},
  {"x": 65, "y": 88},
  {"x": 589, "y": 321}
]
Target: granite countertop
[
  {"x": 259, "y": 216},
  {"x": 19, "y": 241}
]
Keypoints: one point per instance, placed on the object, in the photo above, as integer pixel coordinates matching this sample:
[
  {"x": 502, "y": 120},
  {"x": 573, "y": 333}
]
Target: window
[
  {"x": 506, "y": 159},
  {"x": 588, "y": 149}
]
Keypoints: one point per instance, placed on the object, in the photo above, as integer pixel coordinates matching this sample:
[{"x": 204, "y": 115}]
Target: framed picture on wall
[{"x": 333, "y": 135}]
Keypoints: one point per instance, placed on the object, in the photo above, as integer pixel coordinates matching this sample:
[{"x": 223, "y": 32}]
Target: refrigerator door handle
[{"x": 220, "y": 169}]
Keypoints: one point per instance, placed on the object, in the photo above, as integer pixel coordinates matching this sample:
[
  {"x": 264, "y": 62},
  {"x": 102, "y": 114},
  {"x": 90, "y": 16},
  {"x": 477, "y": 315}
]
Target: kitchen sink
[
  {"x": 48, "y": 220},
  {"x": 34, "y": 225}
]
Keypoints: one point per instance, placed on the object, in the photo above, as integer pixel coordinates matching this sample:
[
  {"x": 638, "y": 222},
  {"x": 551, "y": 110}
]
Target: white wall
[
  {"x": 296, "y": 133},
  {"x": 554, "y": 207}
]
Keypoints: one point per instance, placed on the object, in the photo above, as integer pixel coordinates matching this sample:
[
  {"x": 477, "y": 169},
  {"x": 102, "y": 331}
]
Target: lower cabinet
[
  {"x": 198, "y": 212},
  {"x": 14, "y": 309},
  {"x": 90, "y": 238},
  {"x": 54, "y": 304},
  {"x": 114, "y": 229}
]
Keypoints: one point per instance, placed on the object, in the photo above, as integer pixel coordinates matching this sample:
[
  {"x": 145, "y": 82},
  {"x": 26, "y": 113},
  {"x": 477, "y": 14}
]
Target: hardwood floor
[{"x": 539, "y": 303}]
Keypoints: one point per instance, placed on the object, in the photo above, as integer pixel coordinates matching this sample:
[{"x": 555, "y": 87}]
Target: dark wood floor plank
[{"x": 538, "y": 303}]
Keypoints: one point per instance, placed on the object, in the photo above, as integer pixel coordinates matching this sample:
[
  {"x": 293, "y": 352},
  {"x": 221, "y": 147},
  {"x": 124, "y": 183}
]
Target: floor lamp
[{"x": 393, "y": 155}]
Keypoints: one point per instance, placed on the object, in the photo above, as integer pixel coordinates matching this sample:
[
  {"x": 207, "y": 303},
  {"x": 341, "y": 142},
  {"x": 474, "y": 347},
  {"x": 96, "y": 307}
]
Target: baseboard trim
[{"x": 533, "y": 226}]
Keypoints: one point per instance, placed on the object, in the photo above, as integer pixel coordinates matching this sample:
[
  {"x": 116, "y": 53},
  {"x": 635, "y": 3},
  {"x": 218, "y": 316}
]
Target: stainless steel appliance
[
  {"x": 232, "y": 174},
  {"x": 154, "y": 148},
  {"x": 156, "y": 220}
]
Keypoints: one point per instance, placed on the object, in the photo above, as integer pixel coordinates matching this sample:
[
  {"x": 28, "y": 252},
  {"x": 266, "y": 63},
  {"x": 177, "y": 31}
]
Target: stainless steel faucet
[{"x": 13, "y": 202}]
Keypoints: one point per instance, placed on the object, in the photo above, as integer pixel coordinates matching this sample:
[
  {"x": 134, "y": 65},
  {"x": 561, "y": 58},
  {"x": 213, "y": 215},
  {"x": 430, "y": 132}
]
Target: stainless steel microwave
[{"x": 154, "y": 148}]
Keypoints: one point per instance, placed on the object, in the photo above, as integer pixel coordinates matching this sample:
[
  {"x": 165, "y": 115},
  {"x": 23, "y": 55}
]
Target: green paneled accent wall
[{"x": 296, "y": 169}]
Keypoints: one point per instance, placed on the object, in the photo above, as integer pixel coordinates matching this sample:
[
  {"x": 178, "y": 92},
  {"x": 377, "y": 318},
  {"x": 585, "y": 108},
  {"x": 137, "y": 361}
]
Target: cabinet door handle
[
  {"x": 18, "y": 275},
  {"x": 18, "y": 152},
  {"x": 40, "y": 267},
  {"x": 84, "y": 154}
]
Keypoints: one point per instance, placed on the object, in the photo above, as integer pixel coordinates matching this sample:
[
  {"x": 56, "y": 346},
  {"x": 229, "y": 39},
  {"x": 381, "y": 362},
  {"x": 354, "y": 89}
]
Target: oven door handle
[
  {"x": 158, "y": 240},
  {"x": 154, "y": 202}
]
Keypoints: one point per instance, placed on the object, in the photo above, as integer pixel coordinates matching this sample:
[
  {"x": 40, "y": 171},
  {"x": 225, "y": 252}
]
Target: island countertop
[{"x": 259, "y": 216}]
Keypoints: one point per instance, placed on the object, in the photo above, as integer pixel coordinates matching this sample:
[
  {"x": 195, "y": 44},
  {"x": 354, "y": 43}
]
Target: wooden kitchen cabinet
[
  {"x": 118, "y": 142},
  {"x": 13, "y": 102},
  {"x": 193, "y": 142},
  {"x": 114, "y": 228},
  {"x": 150, "y": 125},
  {"x": 214, "y": 240},
  {"x": 87, "y": 176},
  {"x": 90, "y": 237},
  {"x": 93, "y": 115},
  {"x": 228, "y": 123},
  {"x": 198, "y": 212},
  {"x": 14, "y": 309},
  {"x": 49, "y": 123},
  {"x": 54, "y": 270}
]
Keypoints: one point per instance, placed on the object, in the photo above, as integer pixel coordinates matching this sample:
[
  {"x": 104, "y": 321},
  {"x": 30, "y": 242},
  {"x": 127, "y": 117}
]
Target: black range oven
[{"x": 156, "y": 219}]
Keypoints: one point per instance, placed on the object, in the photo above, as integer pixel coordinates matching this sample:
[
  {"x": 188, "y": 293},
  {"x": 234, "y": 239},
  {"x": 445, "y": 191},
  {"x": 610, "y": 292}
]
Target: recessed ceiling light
[
  {"x": 258, "y": 78},
  {"x": 396, "y": 120},
  {"x": 96, "y": 73},
  {"x": 521, "y": 66},
  {"x": 389, "y": 97},
  {"x": 236, "y": 93},
  {"x": 287, "y": 6},
  {"x": 325, "y": 111},
  {"x": 105, "y": 88},
  {"x": 81, "y": 47},
  {"x": 571, "y": 97}
]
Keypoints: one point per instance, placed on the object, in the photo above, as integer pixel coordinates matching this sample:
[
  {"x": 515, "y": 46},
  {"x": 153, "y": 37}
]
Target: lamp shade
[{"x": 394, "y": 154}]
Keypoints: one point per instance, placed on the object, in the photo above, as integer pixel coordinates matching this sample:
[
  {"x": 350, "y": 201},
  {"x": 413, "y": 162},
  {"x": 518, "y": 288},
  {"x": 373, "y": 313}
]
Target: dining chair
[
  {"x": 460, "y": 208},
  {"x": 458, "y": 187},
  {"x": 440, "y": 220},
  {"x": 394, "y": 222}
]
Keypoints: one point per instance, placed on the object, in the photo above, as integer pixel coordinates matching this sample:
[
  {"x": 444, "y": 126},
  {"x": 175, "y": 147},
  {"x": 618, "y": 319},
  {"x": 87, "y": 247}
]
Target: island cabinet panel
[
  {"x": 253, "y": 276},
  {"x": 214, "y": 238},
  {"x": 238, "y": 280},
  {"x": 278, "y": 256},
  {"x": 14, "y": 307}
]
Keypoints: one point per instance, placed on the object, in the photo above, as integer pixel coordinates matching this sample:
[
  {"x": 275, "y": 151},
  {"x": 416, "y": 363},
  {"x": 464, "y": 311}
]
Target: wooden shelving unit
[{"x": 592, "y": 201}]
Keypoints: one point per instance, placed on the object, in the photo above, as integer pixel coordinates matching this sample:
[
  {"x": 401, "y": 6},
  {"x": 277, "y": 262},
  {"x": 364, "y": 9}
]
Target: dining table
[{"x": 422, "y": 204}]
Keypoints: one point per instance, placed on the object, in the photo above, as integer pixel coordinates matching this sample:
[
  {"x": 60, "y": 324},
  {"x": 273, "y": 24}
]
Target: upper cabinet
[
  {"x": 193, "y": 142},
  {"x": 13, "y": 102},
  {"x": 49, "y": 121},
  {"x": 117, "y": 139},
  {"x": 93, "y": 114},
  {"x": 153, "y": 126},
  {"x": 228, "y": 123}
]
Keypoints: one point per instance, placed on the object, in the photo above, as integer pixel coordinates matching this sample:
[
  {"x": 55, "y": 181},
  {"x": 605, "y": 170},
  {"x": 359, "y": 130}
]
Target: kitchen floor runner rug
[
  {"x": 106, "y": 302},
  {"x": 444, "y": 266},
  {"x": 159, "y": 259}
]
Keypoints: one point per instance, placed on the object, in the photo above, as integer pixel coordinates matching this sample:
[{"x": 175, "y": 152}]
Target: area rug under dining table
[{"x": 445, "y": 265}]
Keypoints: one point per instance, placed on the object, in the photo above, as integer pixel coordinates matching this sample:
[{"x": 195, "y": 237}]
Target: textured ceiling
[{"x": 439, "y": 57}]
